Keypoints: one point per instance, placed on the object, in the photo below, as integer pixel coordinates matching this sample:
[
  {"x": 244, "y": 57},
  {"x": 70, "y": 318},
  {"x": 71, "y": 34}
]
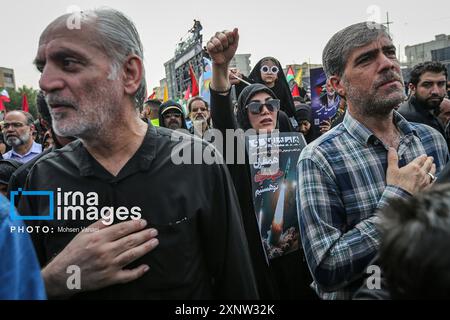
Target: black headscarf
[
  {"x": 304, "y": 112},
  {"x": 244, "y": 98},
  {"x": 281, "y": 87}
]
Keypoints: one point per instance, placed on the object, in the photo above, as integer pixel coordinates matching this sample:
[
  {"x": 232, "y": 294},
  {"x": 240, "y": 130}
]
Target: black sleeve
[
  {"x": 222, "y": 113},
  {"x": 284, "y": 124},
  {"x": 226, "y": 244},
  {"x": 17, "y": 181},
  {"x": 241, "y": 85}
]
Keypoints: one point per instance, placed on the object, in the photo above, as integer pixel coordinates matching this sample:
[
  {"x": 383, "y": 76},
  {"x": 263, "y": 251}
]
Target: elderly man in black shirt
[{"x": 121, "y": 168}]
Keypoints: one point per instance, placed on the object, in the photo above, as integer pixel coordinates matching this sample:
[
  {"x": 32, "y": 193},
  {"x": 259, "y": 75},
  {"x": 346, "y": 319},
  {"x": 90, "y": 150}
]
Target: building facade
[
  {"x": 7, "y": 78},
  {"x": 188, "y": 52},
  {"x": 242, "y": 63},
  {"x": 422, "y": 52}
]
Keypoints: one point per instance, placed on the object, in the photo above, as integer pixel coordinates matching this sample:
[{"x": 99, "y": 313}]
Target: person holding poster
[{"x": 277, "y": 258}]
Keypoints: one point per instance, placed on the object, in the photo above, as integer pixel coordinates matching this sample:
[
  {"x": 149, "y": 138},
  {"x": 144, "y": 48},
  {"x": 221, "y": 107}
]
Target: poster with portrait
[
  {"x": 324, "y": 101},
  {"x": 273, "y": 167}
]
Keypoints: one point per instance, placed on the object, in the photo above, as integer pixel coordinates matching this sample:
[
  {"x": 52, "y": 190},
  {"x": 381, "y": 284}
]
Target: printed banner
[
  {"x": 273, "y": 167},
  {"x": 324, "y": 104}
]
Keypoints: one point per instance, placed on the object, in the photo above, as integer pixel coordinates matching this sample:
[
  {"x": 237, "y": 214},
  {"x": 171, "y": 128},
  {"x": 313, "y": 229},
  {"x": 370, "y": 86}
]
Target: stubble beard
[
  {"x": 372, "y": 104},
  {"x": 94, "y": 113}
]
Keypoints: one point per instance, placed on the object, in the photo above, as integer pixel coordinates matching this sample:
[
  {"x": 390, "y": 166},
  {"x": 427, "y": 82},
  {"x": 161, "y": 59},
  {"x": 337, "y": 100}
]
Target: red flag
[
  {"x": 4, "y": 97},
  {"x": 152, "y": 96},
  {"x": 187, "y": 93},
  {"x": 295, "y": 91},
  {"x": 25, "y": 103},
  {"x": 194, "y": 83}
]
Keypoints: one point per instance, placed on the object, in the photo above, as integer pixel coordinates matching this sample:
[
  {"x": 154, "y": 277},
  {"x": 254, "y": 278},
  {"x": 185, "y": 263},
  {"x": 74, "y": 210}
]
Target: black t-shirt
[{"x": 202, "y": 251}]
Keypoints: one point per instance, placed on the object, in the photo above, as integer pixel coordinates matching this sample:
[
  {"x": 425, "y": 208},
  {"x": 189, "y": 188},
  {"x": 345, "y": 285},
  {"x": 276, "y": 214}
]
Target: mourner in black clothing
[
  {"x": 285, "y": 277},
  {"x": 121, "y": 168},
  {"x": 268, "y": 71}
]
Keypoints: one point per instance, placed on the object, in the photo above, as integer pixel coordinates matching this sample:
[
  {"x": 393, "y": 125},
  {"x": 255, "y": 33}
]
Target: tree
[{"x": 16, "y": 99}]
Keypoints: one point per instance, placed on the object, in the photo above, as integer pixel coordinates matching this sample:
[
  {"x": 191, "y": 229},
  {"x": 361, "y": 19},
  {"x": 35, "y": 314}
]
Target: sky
[{"x": 294, "y": 31}]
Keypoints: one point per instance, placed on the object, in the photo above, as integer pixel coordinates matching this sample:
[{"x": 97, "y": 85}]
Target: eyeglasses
[
  {"x": 256, "y": 107},
  {"x": 267, "y": 69},
  {"x": 15, "y": 125},
  {"x": 172, "y": 114}
]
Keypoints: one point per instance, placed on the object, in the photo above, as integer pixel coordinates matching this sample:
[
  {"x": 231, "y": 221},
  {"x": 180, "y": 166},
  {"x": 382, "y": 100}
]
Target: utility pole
[{"x": 387, "y": 23}]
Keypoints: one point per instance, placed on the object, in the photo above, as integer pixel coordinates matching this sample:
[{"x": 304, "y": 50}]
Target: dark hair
[
  {"x": 415, "y": 245},
  {"x": 7, "y": 168},
  {"x": 340, "y": 46},
  {"x": 299, "y": 99},
  {"x": 429, "y": 66},
  {"x": 153, "y": 103},
  {"x": 42, "y": 107},
  {"x": 197, "y": 98}
]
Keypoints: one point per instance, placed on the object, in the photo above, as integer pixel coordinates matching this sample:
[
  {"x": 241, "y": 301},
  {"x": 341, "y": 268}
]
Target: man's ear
[
  {"x": 336, "y": 83},
  {"x": 412, "y": 88},
  {"x": 133, "y": 71}
]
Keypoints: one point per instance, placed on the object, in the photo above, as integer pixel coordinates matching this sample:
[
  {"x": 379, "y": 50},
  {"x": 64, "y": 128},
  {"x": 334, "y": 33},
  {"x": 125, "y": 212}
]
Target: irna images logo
[
  {"x": 72, "y": 205},
  {"x": 49, "y": 195}
]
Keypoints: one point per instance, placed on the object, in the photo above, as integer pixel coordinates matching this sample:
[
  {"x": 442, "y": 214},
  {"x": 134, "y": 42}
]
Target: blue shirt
[
  {"x": 20, "y": 273},
  {"x": 35, "y": 149},
  {"x": 342, "y": 182}
]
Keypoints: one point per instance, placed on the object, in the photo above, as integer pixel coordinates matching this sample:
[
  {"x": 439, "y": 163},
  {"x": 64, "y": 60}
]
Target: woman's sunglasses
[
  {"x": 267, "y": 69},
  {"x": 256, "y": 107}
]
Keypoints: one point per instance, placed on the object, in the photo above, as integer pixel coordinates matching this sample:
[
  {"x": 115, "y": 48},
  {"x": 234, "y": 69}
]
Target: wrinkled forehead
[
  {"x": 69, "y": 27},
  {"x": 380, "y": 43},
  {"x": 15, "y": 116},
  {"x": 198, "y": 103}
]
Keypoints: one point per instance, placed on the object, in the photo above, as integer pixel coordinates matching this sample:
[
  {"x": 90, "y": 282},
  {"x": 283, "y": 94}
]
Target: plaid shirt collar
[{"x": 362, "y": 134}]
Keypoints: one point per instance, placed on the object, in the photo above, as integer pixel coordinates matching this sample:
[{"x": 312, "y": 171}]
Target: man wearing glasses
[
  {"x": 171, "y": 116},
  {"x": 18, "y": 133},
  {"x": 199, "y": 115}
]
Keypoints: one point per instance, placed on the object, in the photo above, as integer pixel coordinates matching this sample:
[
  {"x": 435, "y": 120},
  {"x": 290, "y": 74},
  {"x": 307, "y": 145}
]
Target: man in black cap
[{"x": 171, "y": 116}]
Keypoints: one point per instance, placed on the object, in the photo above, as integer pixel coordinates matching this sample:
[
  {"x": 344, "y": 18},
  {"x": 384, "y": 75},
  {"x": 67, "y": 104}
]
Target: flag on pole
[
  {"x": 152, "y": 96},
  {"x": 187, "y": 93},
  {"x": 194, "y": 83},
  {"x": 25, "y": 103},
  {"x": 205, "y": 80},
  {"x": 290, "y": 75},
  {"x": 298, "y": 77},
  {"x": 295, "y": 91},
  {"x": 4, "y": 97},
  {"x": 166, "y": 93}
]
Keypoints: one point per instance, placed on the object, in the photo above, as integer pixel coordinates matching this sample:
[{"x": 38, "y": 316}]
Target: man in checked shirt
[{"x": 374, "y": 155}]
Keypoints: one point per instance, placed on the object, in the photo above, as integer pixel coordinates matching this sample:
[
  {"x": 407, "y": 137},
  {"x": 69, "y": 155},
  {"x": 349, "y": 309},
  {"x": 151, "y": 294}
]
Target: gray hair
[
  {"x": 338, "y": 49},
  {"x": 119, "y": 38}
]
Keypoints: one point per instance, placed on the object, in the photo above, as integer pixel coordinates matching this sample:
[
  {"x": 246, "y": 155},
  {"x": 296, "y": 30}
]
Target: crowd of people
[{"x": 371, "y": 183}]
